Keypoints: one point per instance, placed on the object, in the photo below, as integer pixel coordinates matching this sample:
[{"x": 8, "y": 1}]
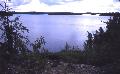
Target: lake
[{"x": 59, "y": 29}]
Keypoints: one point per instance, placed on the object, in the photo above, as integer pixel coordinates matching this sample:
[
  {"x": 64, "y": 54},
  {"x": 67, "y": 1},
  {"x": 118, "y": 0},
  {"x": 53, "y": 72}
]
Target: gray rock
[{"x": 69, "y": 68}]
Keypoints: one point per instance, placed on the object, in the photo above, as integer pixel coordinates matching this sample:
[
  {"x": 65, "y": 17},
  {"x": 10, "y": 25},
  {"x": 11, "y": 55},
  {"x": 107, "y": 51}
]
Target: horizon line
[{"x": 2, "y": 13}]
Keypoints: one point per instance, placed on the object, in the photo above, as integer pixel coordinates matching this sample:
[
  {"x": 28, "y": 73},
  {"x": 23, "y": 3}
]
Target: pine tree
[{"x": 106, "y": 45}]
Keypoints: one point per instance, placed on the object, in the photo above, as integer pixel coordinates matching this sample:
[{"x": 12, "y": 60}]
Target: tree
[
  {"x": 106, "y": 45},
  {"x": 39, "y": 42},
  {"x": 89, "y": 51},
  {"x": 88, "y": 43},
  {"x": 67, "y": 47},
  {"x": 14, "y": 53},
  {"x": 113, "y": 37},
  {"x": 13, "y": 42}
]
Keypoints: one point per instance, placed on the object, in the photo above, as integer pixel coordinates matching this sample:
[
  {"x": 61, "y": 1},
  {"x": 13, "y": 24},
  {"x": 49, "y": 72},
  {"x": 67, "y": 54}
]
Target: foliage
[
  {"x": 105, "y": 45},
  {"x": 15, "y": 57},
  {"x": 13, "y": 42},
  {"x": 38, "y": 44},
  {"x": 72, "y": 54}
]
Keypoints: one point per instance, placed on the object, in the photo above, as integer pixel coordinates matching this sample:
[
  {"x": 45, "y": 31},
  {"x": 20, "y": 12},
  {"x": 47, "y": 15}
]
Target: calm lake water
[{"x": 59, "y": 29}]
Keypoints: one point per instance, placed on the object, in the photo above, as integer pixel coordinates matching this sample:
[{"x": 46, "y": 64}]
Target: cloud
[
  {"x": 57, "y": 2},
  {"x": 34, "y": 5},
  {"x": 87, "y": 6},
  {"x": 51, "y": 2},
  {"x": 17, "y": 2},
  {"x": 67, "y": 5}
]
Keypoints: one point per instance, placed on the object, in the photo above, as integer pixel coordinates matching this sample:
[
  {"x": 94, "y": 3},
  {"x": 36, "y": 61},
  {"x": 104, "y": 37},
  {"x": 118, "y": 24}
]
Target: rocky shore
[{"x": 53, "y": 67}]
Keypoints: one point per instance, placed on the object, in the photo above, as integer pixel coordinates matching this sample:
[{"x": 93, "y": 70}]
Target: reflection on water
[{"x": 58, "y": 29}]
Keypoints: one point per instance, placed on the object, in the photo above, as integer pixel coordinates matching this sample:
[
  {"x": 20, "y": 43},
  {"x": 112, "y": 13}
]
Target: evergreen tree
[
  {"x": 67, "y": 47},
  {"x": 106, "y": 45}
]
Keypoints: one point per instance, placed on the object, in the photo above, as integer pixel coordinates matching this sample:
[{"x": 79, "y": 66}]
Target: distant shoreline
[{"x": 3, "y": 13}]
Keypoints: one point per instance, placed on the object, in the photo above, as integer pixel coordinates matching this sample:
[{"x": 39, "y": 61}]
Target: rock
[{"x": 69, "y": 68}]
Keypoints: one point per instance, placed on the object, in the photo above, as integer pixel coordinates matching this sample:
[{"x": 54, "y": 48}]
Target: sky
[{"x": 76, "y": 6}]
